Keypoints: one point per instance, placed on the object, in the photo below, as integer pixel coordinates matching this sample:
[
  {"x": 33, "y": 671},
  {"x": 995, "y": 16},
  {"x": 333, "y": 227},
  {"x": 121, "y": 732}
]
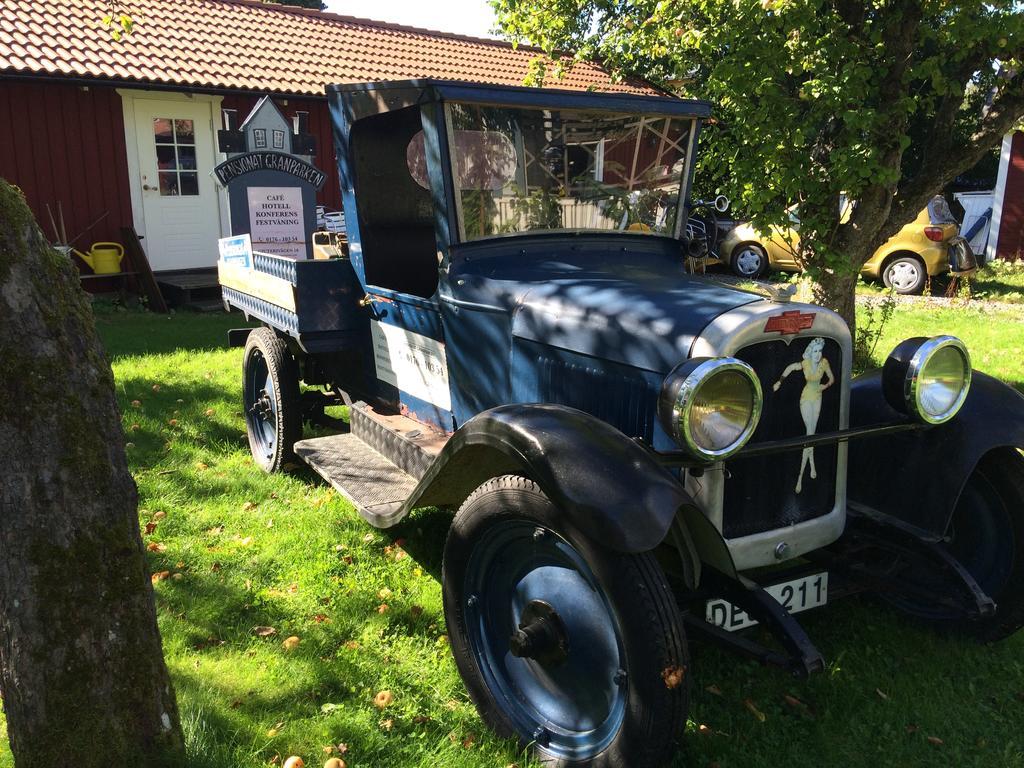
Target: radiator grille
[
  {"x": 760, "y": 492},
  {"x": 624, "y": 401}
]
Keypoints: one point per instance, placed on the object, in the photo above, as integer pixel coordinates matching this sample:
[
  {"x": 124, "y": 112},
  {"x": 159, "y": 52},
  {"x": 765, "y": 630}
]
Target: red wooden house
[
  {"x": 124, "y": 133},
  {"x": 1006, "y": 236}
]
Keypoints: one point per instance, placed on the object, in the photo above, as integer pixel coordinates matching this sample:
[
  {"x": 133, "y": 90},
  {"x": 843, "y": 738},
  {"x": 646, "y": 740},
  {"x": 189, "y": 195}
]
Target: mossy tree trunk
[{"x": 82, "y": 672}]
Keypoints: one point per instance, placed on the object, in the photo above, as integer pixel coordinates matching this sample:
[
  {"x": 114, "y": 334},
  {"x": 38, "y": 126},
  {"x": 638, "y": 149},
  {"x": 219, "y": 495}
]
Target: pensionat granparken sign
[{"x": 240, "y": 165}]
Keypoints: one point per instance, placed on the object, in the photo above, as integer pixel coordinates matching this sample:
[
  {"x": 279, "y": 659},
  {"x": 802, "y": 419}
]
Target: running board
[
  {"x": 375, "y": 486},
  {"x": 410, "y": 444},
  {"x": 377, "y": 464}
]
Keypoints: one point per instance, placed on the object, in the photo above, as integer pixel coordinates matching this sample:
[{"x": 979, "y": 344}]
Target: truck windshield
[{"x": 522, "y": 170}]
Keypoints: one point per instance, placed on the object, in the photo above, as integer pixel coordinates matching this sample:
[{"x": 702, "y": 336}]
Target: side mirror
[{"x": 721, "y": 203}]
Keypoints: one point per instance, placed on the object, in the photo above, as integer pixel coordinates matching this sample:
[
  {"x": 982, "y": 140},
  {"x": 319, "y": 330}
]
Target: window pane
[
  {"x": 187, "y": 158},
  {"x": 162, "y": 130},
  {"x": 525, "y": 169},
  {"x": 190, "y": 183},
  {"x": 165, "y": 158},
  {"x": 168, "y": 183},
  {"x": 184, "y": 132}
]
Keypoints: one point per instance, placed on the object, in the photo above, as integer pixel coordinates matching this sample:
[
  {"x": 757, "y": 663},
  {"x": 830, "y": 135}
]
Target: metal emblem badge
[{"x": 789, "y": 323}]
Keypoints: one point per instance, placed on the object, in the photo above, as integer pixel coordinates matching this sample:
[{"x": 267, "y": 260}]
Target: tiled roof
[{"x": 254, "y": 46}]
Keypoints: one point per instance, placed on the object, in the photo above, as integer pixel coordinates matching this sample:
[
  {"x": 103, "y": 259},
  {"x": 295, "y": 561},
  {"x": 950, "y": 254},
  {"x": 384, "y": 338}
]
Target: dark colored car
[{"x": 637, "y": 455}]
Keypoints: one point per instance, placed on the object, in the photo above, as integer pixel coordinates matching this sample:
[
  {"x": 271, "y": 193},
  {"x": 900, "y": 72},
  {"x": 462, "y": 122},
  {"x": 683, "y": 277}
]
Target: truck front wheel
[
  {"x": 575, "y": 649},
  {"x": 986, "y": 534},
  {"x": 270, "y": 399}
]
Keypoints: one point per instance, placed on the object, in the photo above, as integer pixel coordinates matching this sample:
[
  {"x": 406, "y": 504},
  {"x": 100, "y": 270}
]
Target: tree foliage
[
  {"x": 117, "y": 20},
  {"x": 886, "y": 100}
]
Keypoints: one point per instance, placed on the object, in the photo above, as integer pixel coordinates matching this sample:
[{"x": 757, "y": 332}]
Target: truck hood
[{"x": 644, "y": 313}]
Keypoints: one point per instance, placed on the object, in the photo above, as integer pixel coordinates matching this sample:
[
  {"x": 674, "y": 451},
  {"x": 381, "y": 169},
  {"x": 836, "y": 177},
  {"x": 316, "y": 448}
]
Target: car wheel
[
  {"x": 986, "y": 534},
  {"x": 749, "y": 260},
  {"x": 574, "y": 649},
  {"x": 906, "y": 275},
  {"x": 270, "y": 399}
]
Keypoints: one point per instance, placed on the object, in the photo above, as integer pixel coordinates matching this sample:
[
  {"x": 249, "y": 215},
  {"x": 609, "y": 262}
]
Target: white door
[{"x": 179, "y": 200}]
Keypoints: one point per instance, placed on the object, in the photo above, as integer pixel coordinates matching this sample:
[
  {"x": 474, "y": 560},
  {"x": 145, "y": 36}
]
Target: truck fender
[
  {"x": 610, "y": 488},
  {"x": 917, "y": 476}
]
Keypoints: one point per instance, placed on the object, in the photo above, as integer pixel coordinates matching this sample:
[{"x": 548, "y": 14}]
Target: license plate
[{"x": 795, "y": 596}]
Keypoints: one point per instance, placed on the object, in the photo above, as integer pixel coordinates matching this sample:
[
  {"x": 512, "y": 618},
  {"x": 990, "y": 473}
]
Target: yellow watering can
[{"x": 104, "y": 258}]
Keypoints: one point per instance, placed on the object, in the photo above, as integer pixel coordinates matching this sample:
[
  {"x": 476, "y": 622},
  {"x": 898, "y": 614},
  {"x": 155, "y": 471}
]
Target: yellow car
[{"x": 923, "y": 248}]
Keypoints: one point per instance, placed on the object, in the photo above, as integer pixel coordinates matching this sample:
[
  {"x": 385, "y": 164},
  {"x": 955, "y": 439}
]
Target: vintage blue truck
[{"x": 636, "y": 455}]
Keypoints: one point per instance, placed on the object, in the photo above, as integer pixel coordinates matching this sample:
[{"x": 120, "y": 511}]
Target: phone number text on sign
[{"x": 414, "y": 363}]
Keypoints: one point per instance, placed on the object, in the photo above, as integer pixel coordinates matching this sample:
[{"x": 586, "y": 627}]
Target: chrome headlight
[
  {"x": 928, "y": 378},
  {"x": 710, "y": 406}
]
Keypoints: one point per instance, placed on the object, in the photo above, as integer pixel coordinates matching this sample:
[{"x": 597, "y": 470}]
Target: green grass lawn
[
  {"x": 995, "y": 339},
  {"x": 1002, "y": 281},
  {"x": 237, "y": 553}
]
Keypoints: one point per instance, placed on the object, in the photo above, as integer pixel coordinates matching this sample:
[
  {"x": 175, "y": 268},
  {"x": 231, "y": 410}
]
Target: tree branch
[
  {"x": 943, "y": 124},
  {"x": 941, "y": 168},
  {"x": 873, "y": 208}
]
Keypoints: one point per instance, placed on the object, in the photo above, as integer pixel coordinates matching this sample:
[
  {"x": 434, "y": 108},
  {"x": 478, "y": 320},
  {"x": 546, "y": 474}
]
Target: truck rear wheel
[
  {"x": 576, "y": 650},
  {"x": 270, "y": 399}
]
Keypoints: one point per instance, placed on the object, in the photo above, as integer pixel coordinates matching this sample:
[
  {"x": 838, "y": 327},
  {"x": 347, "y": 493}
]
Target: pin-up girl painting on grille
[{"x": 818, "y": 377}]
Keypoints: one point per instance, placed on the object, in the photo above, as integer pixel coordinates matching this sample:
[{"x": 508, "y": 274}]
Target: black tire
[
  {"x": 986, "y": 534},
  {"x": 508, "y": 531},
  {"x": 907, "y": 275},
  {"x": 749, "y": 261},
  {"x": 270, "y": 399}
]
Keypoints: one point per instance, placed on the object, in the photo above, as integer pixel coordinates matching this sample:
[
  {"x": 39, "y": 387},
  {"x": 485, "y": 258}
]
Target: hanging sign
[
  {"x": 271, "y": 194},
  {"x": 250, "y": 162}
]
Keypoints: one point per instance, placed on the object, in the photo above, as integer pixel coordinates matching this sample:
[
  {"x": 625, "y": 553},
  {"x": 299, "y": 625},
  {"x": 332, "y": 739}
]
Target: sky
[{"x": 466, "y": 17}]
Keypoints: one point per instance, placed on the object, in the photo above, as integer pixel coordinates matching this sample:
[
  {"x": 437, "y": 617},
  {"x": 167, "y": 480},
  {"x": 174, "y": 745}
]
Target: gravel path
[{"x": 984, "y": 306}]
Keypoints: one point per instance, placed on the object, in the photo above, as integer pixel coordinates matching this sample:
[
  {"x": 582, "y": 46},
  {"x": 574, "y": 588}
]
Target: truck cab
[{"x": 477, "y": 214}]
